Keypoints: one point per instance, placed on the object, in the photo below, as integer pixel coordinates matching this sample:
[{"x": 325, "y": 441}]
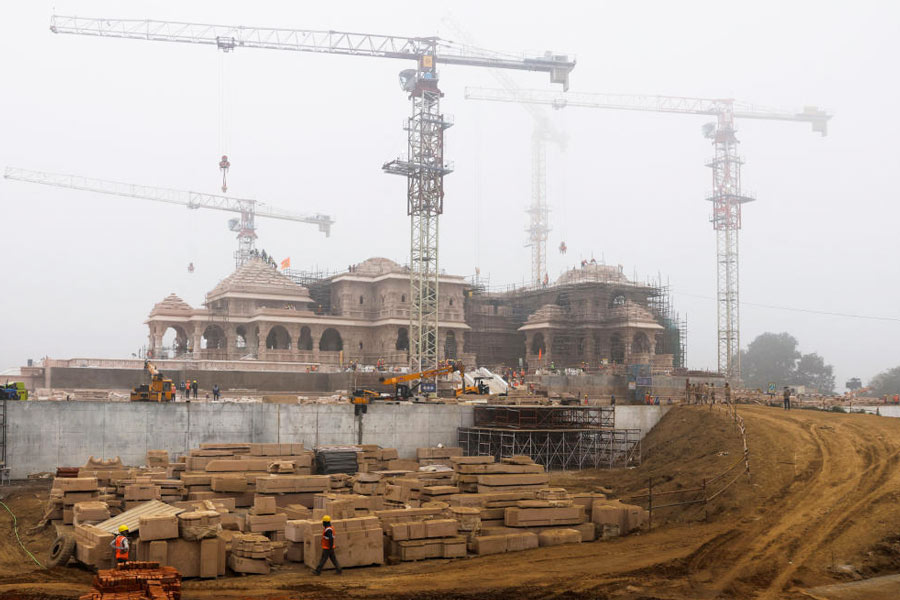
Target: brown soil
[{"x": 822, "y": 508}]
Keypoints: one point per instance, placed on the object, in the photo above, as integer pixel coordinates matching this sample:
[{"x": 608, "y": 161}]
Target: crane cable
[
  {"x": 224, "y": 163},
  {"x": 564, "y": 176},
  {"x": 18, "y": 539}
]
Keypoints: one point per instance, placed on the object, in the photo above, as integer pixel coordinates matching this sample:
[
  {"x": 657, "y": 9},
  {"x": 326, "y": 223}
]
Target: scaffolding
[
  {"x": 543, "y": 417},
  {"x": 318, "y": 282},
  {"x": 587, "y": 303},
  {"x": 557, "y": 437},
  {"x": 674, "y": 339},
  {"x": 556, "y": 449}
]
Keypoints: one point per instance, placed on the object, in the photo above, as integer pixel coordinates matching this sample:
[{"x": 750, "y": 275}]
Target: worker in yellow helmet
[
  {"x": 327, "y": 546},
  {"x": 121, "y": 545}
]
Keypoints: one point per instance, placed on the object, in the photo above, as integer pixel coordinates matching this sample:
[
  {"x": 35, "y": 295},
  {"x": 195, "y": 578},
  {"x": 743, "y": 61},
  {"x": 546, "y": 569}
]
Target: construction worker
[
  {"x": 195, "y": 387},
  {"x": 327, "y": 546},
  {"x": 121, "y": 546},
  {"x": 727, "y": 393},
  {"x": 787, "y": 398},
  {"x": 215, "y": 391},
  {"x": 187, "y": 390}
]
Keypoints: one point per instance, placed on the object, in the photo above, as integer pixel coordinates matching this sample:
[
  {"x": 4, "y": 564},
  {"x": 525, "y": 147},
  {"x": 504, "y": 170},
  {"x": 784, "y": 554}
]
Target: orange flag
[{"x": 286, "y": 263}]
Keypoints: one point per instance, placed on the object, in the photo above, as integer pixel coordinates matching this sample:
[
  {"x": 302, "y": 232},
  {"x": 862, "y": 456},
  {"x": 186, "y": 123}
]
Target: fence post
[{"x": 650, "y": 503}]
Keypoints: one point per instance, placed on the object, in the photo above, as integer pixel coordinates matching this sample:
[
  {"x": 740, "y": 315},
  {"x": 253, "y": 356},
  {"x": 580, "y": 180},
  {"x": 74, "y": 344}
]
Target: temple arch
[
  {"x": 213, "y": 338},
  {"x": 278, "y": 339},
  {"x": 331, "y": 341}
]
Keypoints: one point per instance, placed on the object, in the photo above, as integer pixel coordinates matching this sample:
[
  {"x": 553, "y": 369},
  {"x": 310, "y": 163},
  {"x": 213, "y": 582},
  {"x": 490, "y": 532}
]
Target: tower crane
[
  {"x": 245, "y": 226},
  {"x": 726, "y": 197},
  {"x": 543, "y": 133},
  {"x": 424, "y": 166}
]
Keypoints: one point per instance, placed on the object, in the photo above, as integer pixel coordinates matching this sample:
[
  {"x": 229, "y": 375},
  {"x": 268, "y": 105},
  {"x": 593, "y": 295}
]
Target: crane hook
[{"x": 223, "y": 166}]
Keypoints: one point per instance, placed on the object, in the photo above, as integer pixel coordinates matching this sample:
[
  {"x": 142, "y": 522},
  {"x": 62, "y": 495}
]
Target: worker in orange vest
[
  {"x": 120, "y": 543},
  {"x": 327, "y": 546}
]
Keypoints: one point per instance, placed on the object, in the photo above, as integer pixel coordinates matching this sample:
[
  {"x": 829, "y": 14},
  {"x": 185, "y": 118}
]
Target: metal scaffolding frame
[
  {"x": 561, "y": 449},
  {"x": 546, "y": 417}
]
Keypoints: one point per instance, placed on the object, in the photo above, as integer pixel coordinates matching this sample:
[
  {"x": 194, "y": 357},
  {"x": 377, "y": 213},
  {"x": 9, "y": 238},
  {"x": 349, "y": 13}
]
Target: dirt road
[{"x": 822, "y": 508}]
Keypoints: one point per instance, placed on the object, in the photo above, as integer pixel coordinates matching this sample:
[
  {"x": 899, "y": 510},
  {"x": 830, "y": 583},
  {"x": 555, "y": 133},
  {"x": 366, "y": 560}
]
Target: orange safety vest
[
  {"x": 325, "y": 545},
  {"x": 121, "y": 552}
]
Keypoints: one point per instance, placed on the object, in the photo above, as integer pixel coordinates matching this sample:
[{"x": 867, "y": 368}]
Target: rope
[{"x": 18, "y": 539}]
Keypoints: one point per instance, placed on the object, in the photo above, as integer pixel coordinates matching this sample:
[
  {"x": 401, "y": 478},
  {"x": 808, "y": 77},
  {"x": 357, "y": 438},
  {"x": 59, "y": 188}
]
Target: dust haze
[{"x": 310, "y": 132}]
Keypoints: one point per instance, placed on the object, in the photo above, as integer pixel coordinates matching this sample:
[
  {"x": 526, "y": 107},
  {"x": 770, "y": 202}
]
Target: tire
[{"x": 61, "y": 551}]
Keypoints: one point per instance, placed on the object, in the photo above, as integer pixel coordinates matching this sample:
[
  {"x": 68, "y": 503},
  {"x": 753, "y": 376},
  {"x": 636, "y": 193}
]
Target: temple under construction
[{"x": 591, "y": 316}]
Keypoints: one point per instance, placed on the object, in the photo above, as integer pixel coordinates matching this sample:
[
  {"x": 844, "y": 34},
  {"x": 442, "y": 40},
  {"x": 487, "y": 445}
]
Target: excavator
[
  {"x": 159, "y": 390},
  {"x": 403, "y": 391}
]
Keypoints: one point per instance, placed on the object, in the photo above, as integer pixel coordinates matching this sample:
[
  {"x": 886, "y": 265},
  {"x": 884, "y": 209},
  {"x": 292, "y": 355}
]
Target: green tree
[
  {"x": 770, "y": 357},
  {"x": 886, "y": 382},
  {"x": 812, "y": 371},
  {"x": 853, "y": 384}
]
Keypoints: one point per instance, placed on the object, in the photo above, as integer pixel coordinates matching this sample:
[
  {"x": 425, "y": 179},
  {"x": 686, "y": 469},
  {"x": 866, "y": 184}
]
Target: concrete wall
[
  {"x": 644, "y": 418},
  {"x": 68, "y": 378},
  {"x": 44, "y": 435},
  {"x": 665, "y": 386}
]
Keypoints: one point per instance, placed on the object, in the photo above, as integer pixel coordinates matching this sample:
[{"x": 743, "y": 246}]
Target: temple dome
[
  {"x": 547, "y": 313},
  {"x": 376, "y": 266},
  {"x": 171, "y": 304},
  {"x": 593, "y": 272},
  {"x": 258, "y": 277},
  {"x": 631, "y": 312}
]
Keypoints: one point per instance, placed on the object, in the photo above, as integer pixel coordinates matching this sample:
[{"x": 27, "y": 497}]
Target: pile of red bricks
[{"x": 136, "y": 581}]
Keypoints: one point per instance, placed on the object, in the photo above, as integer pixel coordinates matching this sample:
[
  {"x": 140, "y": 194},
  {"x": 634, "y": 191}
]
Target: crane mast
[
  {"x": 726, "y": 197},
  {"x": 543, "y": 134},
  {"x": 248, "y": 208},
  {"x": 424, "y": 166}
]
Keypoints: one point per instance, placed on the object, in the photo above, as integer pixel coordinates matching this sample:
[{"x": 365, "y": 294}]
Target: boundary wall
[{"x": 42, "y": 436}]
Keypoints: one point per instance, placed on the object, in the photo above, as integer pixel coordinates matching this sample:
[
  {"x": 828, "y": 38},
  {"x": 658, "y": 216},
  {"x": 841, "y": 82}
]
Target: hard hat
[
  {"x": 327, "y": 519},
  {"x": 123, "y": 528}
]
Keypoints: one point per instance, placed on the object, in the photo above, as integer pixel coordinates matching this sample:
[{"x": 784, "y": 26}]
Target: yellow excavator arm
[{"x": 445, "y": 370}]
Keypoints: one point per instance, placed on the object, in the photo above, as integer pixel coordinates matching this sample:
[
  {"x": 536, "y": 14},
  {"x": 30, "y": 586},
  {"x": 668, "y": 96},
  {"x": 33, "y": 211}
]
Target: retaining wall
[
  {"x": 102, "y": 378},
  {"x": 44, "y": 435}
]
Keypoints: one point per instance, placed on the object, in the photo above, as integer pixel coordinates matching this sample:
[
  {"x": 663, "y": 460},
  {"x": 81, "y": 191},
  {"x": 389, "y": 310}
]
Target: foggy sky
[{"x": 310, "y": 132}]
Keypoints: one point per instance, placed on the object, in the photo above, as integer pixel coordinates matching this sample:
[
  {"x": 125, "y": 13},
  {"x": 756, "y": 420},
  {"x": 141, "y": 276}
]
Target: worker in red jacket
[{"x": 327, "y": 546}]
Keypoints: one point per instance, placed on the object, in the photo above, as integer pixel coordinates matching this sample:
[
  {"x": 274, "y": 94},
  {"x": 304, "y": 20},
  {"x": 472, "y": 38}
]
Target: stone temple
[{"x": 592, "y": 315}]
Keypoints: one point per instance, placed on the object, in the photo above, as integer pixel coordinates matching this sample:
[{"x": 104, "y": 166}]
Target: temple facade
[
  {"x": 259, "y": 313},
  {"x": 590, "y": 316}
]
